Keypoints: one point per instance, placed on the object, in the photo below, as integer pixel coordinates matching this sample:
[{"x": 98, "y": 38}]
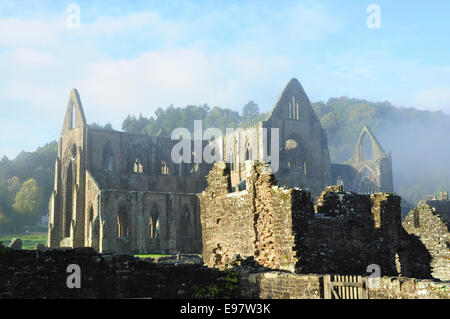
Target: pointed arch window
[
  {"x": 186, "y": 222},
  {"x": 72, "y": 120},
  {"x": 73, "y": 153},
  {"x": 91, "y": 218},
  {"x": 138, "y": 167},
  {"x": 68, "y": 200},
  {"x": 247, "y": 151},
  {"x": 366, "y": 148},
  {"x": 108, "y": 159},
  {"x": 154, "y": 222},
  {"x": 164, "y": 168},
  {"x": 294, "y": 110},
  {"x": 122, "y": 223}
]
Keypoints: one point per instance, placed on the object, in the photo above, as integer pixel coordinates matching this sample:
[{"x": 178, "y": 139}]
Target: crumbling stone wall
[
  {"x": 430, "y": 223},
  {"x": 228, "y": 221},
  {"x": 279, "y": 228},
  {"x": 345, "y": 235},
  {"x": 263, "y": 221},
  {"x": 281, "y": 285},
  {"x": 43, "y": 274}
]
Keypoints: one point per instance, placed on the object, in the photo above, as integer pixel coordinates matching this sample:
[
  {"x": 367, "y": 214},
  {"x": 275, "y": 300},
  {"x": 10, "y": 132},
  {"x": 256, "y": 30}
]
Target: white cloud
[
  {"x": 434, "y": 99},
  {"x": 178, "y": 76},
  {"x": 19, "y": 32}
]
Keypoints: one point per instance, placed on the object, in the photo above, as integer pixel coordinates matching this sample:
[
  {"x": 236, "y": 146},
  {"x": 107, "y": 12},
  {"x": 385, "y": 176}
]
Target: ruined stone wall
[
  {"x": 153, "y": 152},
  {"x": 99, "y": 172},
  {"x": 67, "y": 204},
  {"x": 342, "y": 236},
  {"x": 428, "y": 222},
  {"x": 43, "y": 274},
  {"x": 291, "y": 208},
  {"x": 279, "y": 229},
  {"x": 178, "y": 216},
  {"x": 92, "y": 215},
  {"x": 262, "y": 222},
  {"x": 279, "y": 285},
  {"x": 227, "y": 219}
]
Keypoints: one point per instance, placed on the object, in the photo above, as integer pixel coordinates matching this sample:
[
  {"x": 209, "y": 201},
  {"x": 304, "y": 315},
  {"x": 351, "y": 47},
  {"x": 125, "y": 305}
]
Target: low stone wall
[
  {"x": 410, "y": 288},
  {"x": 43, "y": 274},
  {"x": 276, "y": 285},
  {"x": 280, "y": 285}
]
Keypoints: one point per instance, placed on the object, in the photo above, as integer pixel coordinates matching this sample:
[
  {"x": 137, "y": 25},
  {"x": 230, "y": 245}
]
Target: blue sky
[{"x": 136, "y": 56}]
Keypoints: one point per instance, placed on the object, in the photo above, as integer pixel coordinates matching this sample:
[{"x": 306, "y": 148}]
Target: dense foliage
[
  {"x": 418, "y": 141},
  {"x": 26, "y": 184}
]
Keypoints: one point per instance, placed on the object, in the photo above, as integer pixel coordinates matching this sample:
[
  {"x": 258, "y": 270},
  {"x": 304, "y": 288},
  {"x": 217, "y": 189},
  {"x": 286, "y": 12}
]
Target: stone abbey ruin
[{"x": 122, "y": 193}]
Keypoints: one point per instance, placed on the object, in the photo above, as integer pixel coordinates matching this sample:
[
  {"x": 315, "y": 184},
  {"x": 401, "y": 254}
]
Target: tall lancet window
[
  {"x": 108, "y": 162},
  {"x": 154, "y": 222},
  {"x": 138, "y": 167},
  {"x": 294, "y": 109},
  {"x": 122, "y": 223}
]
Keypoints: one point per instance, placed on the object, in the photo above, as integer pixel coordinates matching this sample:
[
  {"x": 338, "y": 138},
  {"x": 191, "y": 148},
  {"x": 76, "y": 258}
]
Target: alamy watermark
[
  {"x": 374, "y": 19},
  {"x": 374, "y": 280},
  {"x": 74, "y": 279},
  {"x": 73, "y": 16}
]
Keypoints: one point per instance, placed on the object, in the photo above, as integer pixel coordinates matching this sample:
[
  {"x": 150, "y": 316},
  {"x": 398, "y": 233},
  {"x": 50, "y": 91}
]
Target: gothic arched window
[
  {"x": 154, "y": 221},
  {"x": 138, "y": 167},
  {"x": 122, "y": 222},
  {"x": 108, "y": 162},
  {"x": 164, "y": 168},
  {"x": 186, "y": 224}
]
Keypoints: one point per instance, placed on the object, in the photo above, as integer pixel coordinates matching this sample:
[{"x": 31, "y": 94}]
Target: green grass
[
  {"x": 150, "y": 256},
  {"x": 28, "y": 239}
]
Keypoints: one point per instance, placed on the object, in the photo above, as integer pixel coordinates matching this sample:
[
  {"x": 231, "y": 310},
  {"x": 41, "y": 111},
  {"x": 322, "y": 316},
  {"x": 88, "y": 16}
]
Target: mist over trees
[
  {"x": 26, "y": 184},
  {"x": 417, "y": 139}
]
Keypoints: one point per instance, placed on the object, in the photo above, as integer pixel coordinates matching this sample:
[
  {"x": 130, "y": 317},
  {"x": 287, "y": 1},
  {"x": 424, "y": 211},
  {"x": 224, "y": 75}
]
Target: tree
[
  {"x": 250, "y": 110},
  {"x": 29, "y": 201},
  {"x": 4, "y": 220},
  {"x": 129, "y": 125},
  {"x": 251, "y": 114},
  {"x": 107, "y": 127}
]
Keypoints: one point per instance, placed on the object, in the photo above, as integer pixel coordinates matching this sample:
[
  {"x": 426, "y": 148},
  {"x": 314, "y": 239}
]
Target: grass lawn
[
  {"x": 28, "y": 239},
  {"x": 150, "y": 256}
]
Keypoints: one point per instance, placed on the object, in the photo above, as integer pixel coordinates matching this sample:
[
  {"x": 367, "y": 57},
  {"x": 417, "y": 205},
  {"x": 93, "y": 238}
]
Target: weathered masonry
[
  {"x": 304, "y": 159},
  {"x": 429, "y": 221},
  {"x": 121, "y": 192},
  {"x": 279, "y": 228},
  {"x": 124, "y": 276}
]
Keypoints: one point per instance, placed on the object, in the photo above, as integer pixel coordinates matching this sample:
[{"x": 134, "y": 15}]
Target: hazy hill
[{"x": 418, "y": 140}]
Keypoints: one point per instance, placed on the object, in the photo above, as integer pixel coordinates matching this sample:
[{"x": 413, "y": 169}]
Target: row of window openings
[
  {"x": 138, "y": 167},
  {"x": 154, "y": 228},
  {"x": 123, "y": 230}
]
